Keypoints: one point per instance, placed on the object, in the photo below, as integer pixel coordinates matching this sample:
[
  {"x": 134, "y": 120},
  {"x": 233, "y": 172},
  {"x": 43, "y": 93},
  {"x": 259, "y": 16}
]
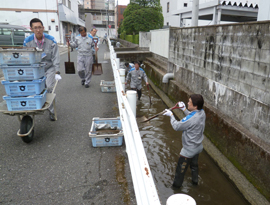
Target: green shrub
[
  {"x": 136, "y": 39},
  {"x": 123, "y": 35},
  {"x": 129, "y": 38}
]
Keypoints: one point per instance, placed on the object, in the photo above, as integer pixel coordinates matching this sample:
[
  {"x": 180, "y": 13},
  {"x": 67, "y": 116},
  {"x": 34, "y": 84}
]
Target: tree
[
  {"x": 142, "y": 15},
  {"x": 144, "y": 3}
]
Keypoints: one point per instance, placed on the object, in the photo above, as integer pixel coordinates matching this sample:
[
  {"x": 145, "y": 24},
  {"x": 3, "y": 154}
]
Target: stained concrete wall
[
  {"x": 144, "y": 39},
  {"x": 229, "y": 65}
]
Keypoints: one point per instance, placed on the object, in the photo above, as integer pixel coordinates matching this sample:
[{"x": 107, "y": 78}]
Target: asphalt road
[{"x": 60, "y": 166}]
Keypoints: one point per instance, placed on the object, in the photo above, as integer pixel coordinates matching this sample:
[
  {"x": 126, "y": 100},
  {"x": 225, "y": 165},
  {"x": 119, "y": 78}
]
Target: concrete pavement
[{"x": 60, "y": 166}]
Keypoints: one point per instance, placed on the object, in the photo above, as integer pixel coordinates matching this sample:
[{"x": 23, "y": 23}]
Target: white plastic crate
[
  {"x": 20, "y": 55},
  {"x": 24, "y": 88},
  {"x": 33, "y": 102},
  {"x": 106, "y": 140},
  {"x": 107, "y": 86},
  {"x": 23, "y": 72}
]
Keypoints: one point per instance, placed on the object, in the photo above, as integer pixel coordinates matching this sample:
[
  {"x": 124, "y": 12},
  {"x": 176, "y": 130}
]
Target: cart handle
[{"x": 54, "y": 86}]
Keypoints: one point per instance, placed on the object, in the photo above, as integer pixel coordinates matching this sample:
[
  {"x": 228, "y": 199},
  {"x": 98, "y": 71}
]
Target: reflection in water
[{"x": 162, "y": 146}]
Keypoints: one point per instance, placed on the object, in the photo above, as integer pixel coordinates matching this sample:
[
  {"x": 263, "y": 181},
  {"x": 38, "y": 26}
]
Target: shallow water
[{"x": 162, "y": 146}]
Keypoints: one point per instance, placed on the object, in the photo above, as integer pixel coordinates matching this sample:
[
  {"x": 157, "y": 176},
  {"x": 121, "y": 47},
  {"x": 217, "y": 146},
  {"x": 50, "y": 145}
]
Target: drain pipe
[{"x": 166, "y": 77}]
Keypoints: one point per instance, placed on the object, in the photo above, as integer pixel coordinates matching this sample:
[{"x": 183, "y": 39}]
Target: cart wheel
[{"x": 26, "y": 125}]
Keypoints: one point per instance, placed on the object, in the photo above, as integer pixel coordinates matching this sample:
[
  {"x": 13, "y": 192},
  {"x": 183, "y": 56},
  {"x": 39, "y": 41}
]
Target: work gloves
[
  {"x": 58, "y": 77},
  {"x": 182, "y": 106},
  {"x": 167, "y": 112}
]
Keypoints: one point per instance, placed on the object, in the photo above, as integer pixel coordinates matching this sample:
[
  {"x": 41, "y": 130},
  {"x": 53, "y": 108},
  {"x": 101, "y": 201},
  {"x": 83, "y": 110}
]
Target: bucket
[{"x": 180, "y": 199}]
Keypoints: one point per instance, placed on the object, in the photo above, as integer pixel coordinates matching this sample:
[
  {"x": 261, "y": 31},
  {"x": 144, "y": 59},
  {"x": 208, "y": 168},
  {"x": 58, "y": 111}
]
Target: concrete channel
[{"x": 241, "y": 186}]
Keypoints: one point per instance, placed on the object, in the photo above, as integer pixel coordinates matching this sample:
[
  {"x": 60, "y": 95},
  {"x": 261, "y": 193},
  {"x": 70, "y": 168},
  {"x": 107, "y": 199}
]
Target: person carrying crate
[{"x": 50, "y": 55}]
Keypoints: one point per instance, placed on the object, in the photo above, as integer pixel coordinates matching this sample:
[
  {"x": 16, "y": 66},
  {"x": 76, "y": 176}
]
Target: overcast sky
[{"x": 122, "y": 2}]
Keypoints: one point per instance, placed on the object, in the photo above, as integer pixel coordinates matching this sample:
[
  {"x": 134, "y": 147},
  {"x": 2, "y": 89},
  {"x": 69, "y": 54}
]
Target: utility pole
[
  {"x": 116, "y": 26},
  {"x": 195, "y": 11},
  {"x": 107, "y": 9}
]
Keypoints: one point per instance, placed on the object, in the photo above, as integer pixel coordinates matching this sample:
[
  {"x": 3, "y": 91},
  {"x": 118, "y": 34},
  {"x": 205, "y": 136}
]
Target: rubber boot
[
  {"x": 139, "y": 94},
  {"x": 181, "y": 169},
  {"x": 194, "y": 169}
]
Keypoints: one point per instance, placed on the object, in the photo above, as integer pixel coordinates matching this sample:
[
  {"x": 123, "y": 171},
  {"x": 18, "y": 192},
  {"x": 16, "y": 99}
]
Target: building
[
  {"x": 179, "y": 13},
  {"x": 57, "y": 16},
  {"x": 119, "y": 14},
  {"x": 264, "y": 10},
  {"x": 69, "y": 17},
  {"x": 99, "y": 14}
]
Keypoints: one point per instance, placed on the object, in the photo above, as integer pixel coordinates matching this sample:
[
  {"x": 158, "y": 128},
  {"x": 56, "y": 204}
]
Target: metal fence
[{"x": 144, "y": 186}]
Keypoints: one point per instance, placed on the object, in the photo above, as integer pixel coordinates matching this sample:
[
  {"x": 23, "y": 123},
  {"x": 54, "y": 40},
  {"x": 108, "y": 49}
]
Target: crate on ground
[
  {"x": 107, "y": 86},
  {"x": 103, "y": 139},
  {"x": 20, "y": 55},
  {"x": 23, "y": 72},
  {"x": 24, "y": 88},
  {"x": 33, "y": 102}
]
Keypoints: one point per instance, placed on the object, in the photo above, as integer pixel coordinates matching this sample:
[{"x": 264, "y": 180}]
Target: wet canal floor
[{"x": 162, "y": 146}]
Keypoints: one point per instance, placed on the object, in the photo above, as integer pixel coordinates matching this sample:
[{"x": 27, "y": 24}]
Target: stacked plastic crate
[{"x": 24, "y": 78}]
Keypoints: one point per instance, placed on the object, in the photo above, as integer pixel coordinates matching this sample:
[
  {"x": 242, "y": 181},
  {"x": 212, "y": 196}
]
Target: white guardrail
[{"x": 144, "y": 186}]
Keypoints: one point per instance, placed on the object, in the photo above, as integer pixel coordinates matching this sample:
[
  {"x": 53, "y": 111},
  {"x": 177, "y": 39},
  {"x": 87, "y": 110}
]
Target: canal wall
[{"x": 229, "y": 66}]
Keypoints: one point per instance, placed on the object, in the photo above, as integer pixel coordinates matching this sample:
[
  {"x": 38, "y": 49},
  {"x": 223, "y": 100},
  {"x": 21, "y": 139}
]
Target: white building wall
[
  {"x": 23, "y": 18},
  {"x": 162, "y": 37},
  {"x": 169, "y": 19},
  {"x": 174, "y": 20},
  {"x": 10, "y": 13},
  {"x": 264, "y": 10}
]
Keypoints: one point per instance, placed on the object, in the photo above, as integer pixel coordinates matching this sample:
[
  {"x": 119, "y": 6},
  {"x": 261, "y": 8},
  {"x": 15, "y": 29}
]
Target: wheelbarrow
[{"x": 27, "y": 117}]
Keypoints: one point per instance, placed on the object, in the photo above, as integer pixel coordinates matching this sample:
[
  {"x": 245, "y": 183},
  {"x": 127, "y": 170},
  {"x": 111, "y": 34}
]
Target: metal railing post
[
  {"x": 131, "y": 97},
  {"x": 122, "y": 77}
]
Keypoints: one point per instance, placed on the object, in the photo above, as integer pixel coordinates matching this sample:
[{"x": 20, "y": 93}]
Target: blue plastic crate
[
  {"x": 23, "y": 72},
  {"x": 20, "y": 55},
  {"x": 107, "y": 86},
  {"x": 24, "y": 88},
  {"x": 106, "y": 140},
  {"x": 33, "y": 102}
]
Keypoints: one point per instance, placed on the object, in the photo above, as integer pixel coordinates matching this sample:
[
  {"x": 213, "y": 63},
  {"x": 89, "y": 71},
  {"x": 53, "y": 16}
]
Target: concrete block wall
[
  {"x": 229, "y": 65},
  {"x": 144, "y": 39}
]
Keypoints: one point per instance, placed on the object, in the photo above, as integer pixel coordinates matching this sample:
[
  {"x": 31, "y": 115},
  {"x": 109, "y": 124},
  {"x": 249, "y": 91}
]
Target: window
[
  {"x": 19, "y": 32},
  {"x": 69, "y": 4},
  {"x": 167, "y": 23},
  {"x": 122, "y": 10},
  {"x": 185, "y": 4},
  {"x": 168, "y": 7},
  {"x": 6, "y": 31},
  {"x": 64, "y": 2}
]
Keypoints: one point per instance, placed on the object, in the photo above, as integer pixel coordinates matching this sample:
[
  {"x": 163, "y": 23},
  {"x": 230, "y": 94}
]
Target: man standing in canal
[
  {"x": 50, "y": 55},
  {"x": 193, "y": 127},
  {"x": 135, "y": 76},
  {"x": 84, "y": 59}
]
